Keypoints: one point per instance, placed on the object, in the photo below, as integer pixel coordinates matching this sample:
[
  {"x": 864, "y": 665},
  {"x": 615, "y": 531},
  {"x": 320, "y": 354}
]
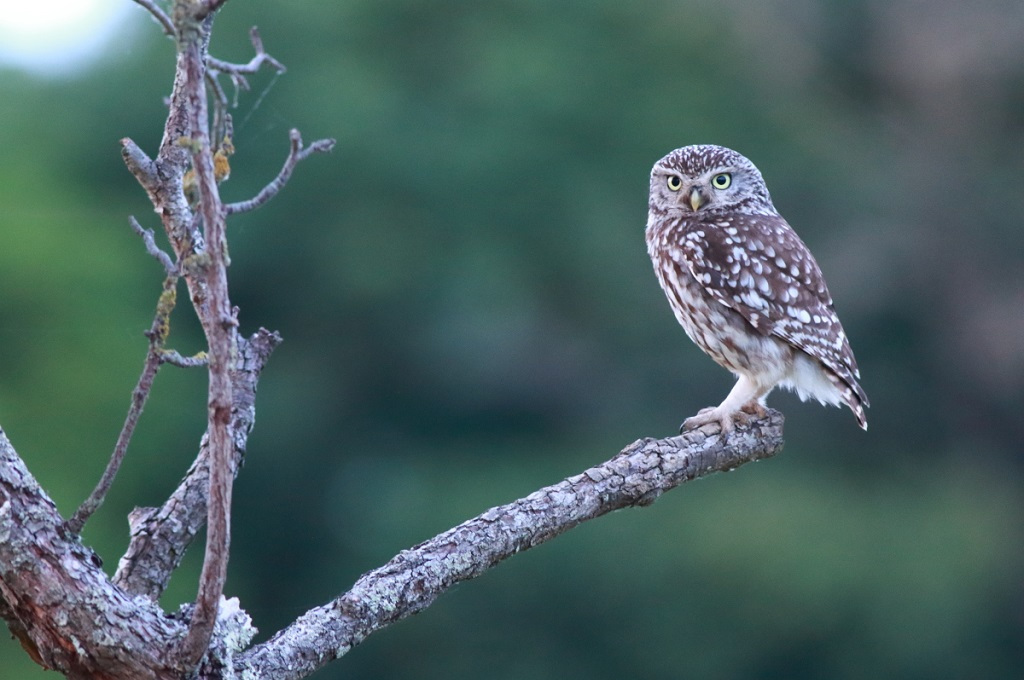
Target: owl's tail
[{"x": 854, "y": 396}]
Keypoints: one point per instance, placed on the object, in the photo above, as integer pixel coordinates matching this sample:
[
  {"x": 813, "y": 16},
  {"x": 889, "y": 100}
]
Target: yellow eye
[
  {"x": 675, "y": 183},
  {"x": 722, "y": 180}
]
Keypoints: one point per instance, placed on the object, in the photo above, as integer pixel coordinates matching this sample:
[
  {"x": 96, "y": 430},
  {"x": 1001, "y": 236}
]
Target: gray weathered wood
[
  {"x": 65, "y": 611},
  {"x": 414, "y": 578}
]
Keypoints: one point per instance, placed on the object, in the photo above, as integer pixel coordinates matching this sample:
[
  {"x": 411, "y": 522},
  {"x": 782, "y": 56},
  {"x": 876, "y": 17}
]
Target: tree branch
[
  {"x": 199, "y": 242},
  {"x": 237, "y": 73},
  {"x": 218, "y": 321},
  {"x": 52, "y": 592},
  {"x": 155, "y": 357},
  {"x": 158, "y": 14},
  {"x": 58, "y": 600},
  {"x": 139, "y": 164},
  {"x": 252, "y": 66},
  {"x": 160, "y": 536},
  {"x": 170, "y": 269},
  {"x": 295, "y": 155},
  {"x": 172, "y": 357},
  {"x": 139, "y": 396},
  {"x": 414, "y": 578}
]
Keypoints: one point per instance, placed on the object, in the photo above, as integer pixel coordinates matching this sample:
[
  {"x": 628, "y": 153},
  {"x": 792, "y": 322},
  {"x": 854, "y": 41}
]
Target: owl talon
[
  {"x": 755, "y": 409},
  {"x": 726, "y": 419},
  {"x": 710, "y": 415}
]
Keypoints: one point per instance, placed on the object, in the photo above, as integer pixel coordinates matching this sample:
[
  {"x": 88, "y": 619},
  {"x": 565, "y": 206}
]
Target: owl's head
[{"x": 705, "y": 179}]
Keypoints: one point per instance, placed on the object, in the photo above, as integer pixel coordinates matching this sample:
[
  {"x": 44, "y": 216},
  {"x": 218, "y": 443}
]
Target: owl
[{"x": 744, "y": 286}]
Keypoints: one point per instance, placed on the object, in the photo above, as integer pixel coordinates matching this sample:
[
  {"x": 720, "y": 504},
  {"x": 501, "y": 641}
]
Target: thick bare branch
[
  {"x": 57, "y": 598},
  {"x": 219, "y": 325},
  {"x": 160, "y": 536},
  {"x": 296, "y": 154},
  {"x": 414, "y": 578}
]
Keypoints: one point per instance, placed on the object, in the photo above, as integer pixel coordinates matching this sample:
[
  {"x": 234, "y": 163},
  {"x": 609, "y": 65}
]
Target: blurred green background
[{"x": 469, "y": 314}]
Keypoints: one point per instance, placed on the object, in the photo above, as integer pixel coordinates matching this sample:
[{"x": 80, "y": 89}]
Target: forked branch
[
  {"x": 296, "y": 154},
  {"x": 160, "y": 536},
  {"x": 260, "y": 58}
]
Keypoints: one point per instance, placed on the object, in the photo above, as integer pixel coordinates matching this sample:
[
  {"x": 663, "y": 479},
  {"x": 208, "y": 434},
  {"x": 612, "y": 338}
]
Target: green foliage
[{"x": 469, "y": 314}]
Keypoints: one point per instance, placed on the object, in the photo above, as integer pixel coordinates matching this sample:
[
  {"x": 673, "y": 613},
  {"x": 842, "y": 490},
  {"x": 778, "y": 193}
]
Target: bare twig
[
  {"x": 139, "y": 396},
  {"x": 253, "y": 65},
  {"x": 220, "y": 106},
  {"x": 157, "y": 334},
  {"x": 159, "y": 15},
  {"x": 237, "y": 73},
  {"x": 152, "y": 248},
  {"x": 296, "y": 154},
  {"x": 259, "y": 58},
  {"x": 414, "y": 578},
  {"x": 172, "y": 357}
]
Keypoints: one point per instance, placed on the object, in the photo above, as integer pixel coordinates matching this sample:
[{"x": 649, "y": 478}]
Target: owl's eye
[
  {"x": 675, "y": 183},
  {"x": 722, "y": 180}
]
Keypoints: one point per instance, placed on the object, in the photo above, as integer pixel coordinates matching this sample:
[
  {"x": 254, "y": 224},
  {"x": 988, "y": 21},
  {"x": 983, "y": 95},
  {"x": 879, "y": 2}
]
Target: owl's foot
[
  {"x": 724, "y": 417},
  {"x": 713, "y": 414},
  {"x": 754, "y": 408}
]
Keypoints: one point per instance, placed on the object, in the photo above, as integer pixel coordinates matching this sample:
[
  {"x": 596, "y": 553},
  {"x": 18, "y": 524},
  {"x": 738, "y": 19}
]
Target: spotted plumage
[{"x": 744, "y": 286}]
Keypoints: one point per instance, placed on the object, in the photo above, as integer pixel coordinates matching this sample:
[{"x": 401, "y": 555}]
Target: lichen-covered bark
[
  {"x": 58, "y": 601},
  {"x": 71, "y": 618},
  {"x": 160, "y": 536},
  {"x": 414, "y": 578},
  {"x": 53, "y": 594}
]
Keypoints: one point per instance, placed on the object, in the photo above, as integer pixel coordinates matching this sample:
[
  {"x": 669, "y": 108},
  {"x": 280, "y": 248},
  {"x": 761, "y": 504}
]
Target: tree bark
[
  {"x": 73, "y": 619},
  {"x": 160, "y": 536},
  {"x": 59, "y": 603},
  {"x": 414, "y": 578}
]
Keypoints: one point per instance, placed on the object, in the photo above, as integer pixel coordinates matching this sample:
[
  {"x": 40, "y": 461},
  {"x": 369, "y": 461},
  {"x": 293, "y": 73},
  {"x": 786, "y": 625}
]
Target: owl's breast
[{"x": 722, "y": 333}]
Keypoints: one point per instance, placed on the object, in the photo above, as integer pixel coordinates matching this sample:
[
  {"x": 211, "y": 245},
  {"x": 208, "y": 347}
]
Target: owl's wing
[{"x": 759, "y": 267}]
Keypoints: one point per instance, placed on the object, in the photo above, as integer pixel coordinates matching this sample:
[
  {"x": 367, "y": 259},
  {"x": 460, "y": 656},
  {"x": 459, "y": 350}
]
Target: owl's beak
[{"x": 697, "y": 198}]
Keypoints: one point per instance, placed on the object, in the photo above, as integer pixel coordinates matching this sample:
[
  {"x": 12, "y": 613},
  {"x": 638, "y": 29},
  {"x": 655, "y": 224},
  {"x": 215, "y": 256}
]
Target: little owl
[{"x": 744, "y": 286}]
